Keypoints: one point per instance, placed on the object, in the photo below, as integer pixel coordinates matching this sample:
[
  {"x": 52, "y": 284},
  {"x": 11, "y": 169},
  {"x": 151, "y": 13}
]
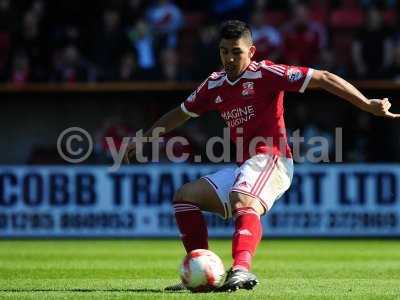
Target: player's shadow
[{"x": 143, "y": 290}]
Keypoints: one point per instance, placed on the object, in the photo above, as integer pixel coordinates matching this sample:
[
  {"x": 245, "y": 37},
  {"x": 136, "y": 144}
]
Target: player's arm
[
  {"x": 171, "y": 120},
  {"x": 340, "y": 87},
  {"x": 168, "y": 122}
]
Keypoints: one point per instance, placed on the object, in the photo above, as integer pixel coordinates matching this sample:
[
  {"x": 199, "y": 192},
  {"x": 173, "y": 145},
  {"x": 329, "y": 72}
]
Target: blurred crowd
[{"x": 126, "y": 40}]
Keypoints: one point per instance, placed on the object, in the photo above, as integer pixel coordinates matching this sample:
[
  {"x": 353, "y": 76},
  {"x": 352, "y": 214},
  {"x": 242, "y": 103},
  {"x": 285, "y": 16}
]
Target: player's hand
[
  {"x": 380, "y": 108},
  {"x": 130, "y": 151}
]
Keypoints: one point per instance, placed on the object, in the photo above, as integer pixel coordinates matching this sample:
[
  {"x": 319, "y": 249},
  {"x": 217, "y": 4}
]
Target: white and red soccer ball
[{"x": 202, "y": 271}]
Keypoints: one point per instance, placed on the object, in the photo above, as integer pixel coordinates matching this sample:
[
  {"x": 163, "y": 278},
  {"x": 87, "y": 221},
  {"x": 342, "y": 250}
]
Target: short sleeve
[
  {"x": 287, "y": 78},
  {"x": 198, "y": 102}
]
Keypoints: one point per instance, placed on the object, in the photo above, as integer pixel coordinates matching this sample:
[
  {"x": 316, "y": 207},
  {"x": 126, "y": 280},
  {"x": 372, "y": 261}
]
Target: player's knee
[
  {"x": 239, "y": 200},
  {"x": 184, "y": 193},
  {"x": 180, "y": 194}
]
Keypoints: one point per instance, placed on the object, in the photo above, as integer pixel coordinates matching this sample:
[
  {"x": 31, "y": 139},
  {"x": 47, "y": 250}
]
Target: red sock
[
  {"x": 192, "y": 226},
  {"x": 248, "y": 232}
]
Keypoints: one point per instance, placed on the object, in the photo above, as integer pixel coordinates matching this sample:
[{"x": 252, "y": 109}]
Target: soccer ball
[{"x": 202, "y": 271}]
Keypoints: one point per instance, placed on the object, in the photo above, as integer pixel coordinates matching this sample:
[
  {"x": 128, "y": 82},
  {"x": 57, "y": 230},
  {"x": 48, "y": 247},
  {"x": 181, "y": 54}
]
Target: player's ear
[{"x": 252, "y": 51}]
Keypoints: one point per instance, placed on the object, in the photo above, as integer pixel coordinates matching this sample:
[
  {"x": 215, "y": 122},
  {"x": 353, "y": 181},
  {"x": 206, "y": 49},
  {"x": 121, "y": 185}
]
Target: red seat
[
  {"x": 194, "y": 20},
  {"x": 343, "y": 18},
  {"x": 319, "y": 15},
  {"x": 390, "y": 17},
  {"x": 5, "y": 40},
  {"x": 342, "y": 46},
  {"x": 275, "y": 18},
  {"x": 319, "y": 11}
]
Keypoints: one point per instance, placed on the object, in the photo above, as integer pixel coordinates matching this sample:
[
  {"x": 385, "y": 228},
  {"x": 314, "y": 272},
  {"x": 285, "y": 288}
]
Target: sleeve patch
[{"x": 294, "y": 74}]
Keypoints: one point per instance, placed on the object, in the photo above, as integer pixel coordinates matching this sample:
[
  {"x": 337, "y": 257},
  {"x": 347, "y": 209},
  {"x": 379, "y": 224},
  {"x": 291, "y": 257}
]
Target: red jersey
[{"x": 252, "y": 105}]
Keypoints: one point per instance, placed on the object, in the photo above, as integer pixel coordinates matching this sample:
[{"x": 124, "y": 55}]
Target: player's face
[{"x": 235, "y": 56}]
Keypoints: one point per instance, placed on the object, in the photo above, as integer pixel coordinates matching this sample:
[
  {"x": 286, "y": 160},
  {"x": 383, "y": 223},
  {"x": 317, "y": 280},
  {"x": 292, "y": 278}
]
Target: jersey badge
[{"x": 248, "y": 88}]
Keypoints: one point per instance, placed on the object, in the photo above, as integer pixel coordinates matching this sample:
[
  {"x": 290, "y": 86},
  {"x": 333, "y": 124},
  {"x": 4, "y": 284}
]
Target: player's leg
[
  {"x": 202, "y": 194},
  {"x": 248, "y": 232},
  {"x": 247, "y": 211},
  {"x": 189, "y": 202},
  {"x": 262, "y": 180},
  {"x": 210, "y": 193}
]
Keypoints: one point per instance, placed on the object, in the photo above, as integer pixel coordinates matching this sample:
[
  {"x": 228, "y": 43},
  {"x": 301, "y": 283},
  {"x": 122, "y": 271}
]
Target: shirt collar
[{"x": 247, "y": 73}]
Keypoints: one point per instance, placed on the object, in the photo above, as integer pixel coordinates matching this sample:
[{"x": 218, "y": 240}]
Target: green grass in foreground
[{"x": 133, "y": 269}]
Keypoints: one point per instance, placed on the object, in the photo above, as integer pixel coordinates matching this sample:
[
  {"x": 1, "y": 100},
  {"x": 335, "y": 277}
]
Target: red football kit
[{"x": 252, "y": 105}]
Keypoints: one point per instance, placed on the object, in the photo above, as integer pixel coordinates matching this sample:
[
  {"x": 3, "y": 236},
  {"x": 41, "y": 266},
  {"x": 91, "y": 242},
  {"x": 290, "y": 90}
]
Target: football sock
[
  {"x": 248, "y": 232},
  {"x": 192, "y": 226}
]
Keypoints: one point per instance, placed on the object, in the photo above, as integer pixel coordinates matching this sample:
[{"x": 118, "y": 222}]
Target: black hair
[{"x": 235, "y": 29}]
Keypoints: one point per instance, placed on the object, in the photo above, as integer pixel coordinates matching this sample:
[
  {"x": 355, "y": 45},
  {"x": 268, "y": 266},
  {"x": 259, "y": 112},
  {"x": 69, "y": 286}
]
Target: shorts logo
[
  {"x": 248, "y": 88},
  {"x": 218, "y": 99},
  {"x": 244, "y": 184},
  {"x": 294, "y": 74}
]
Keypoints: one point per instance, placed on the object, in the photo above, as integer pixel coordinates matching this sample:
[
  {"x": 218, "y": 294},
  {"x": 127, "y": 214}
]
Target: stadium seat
[
  {"x": 275, "y": 18},
  {"x": 342, "y": 46},
  {"x": 194, "y": 20},
  {"x": 390, "y": 17},
  {"x": 344, "y": 18}
]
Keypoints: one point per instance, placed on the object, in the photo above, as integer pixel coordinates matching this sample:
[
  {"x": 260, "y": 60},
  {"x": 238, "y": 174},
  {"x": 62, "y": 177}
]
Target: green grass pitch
[{"x": 139, "y": 269}]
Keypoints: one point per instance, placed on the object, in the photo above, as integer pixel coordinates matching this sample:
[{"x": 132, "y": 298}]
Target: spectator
[
  {"x": 65, "y": 35},
  {"x": 6, "y": 14},
  {"x": 393, "y": 71},
  {"x": 38, "y": 8},
  {"x": 207, "y": 39},
  {"x": 328, "y": 61},
  {"x": 111, "y": 42},
  {"x": 166, "y": 19},
  {"x": 267, "y": 39},
  {"x": 259, "y": 5},
  {"x": 6, "y": 29},
  {"x": 384, "y": 3},
  {"x": 133, "y": 12},
  {"x": 143, "y": 44},
  {"x": 32, "y": 41},
  {"x": 127, "y": 68},
  {"x": 145, "y": 32},
  {"x": 70, "y": 67},
  {"x": 20, "y": 70},
  {"x": 319, "y": 10},
  {"x": 170, "y": 64},
  {"x": 347, "y": 16},
  {"x": 304, "y": 39},
  {"x": 372, "y": 48},
  {"x": 230, "y": 9}
]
